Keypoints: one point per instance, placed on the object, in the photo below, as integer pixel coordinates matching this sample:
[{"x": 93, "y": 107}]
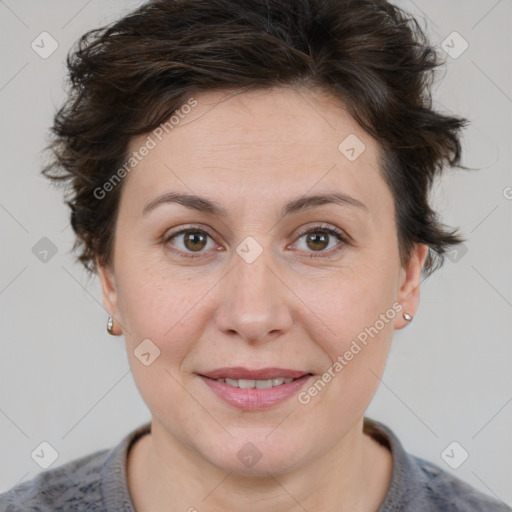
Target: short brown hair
[{"x": 129, "y": 77}]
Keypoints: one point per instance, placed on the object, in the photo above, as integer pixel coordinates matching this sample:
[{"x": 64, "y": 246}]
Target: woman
[{"x": 250, "y": 183}]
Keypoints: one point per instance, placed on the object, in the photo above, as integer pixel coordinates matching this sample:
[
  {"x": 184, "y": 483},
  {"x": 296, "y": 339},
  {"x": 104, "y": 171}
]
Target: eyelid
[
  {"x": 321, "y": 226},
  {"x": 185, "y": 228}
]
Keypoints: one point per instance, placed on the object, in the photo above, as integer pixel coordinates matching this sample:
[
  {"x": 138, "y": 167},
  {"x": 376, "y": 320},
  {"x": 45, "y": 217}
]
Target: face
[{"x": 250, "y": 273}]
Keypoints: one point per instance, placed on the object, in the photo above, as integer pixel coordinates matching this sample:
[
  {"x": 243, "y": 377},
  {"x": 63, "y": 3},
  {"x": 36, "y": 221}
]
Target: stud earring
[
  {"x": 407, "y": 317},
  {"x": 110, "y": 325}
]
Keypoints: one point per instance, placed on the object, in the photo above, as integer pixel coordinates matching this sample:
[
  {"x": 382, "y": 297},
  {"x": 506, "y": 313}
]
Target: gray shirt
[{"x": 97, "y": 483}]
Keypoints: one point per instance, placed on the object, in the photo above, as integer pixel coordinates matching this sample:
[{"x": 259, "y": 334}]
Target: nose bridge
[{"x": 254, "y": 303}]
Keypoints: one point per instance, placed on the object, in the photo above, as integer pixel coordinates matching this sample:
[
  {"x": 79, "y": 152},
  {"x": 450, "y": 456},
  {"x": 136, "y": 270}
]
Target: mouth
[{"x": 255, "y": 389}]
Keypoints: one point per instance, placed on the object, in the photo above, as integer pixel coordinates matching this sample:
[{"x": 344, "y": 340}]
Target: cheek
[
  {"x": 350, "y": 305},
  {"x": 355, "y": 333},
  {"x": 161, "y": 306},
  {"x": 165, "y": 310}
]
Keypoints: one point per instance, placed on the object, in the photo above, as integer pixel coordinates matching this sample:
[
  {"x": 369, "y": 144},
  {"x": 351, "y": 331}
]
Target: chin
[{"x": 251, "y": 454}]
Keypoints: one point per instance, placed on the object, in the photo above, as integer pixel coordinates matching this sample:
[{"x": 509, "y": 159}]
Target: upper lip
[{"x": 238, "y": 372}]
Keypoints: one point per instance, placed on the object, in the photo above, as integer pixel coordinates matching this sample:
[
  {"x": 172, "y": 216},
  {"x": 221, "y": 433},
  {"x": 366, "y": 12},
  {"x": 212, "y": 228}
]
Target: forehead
[{"x": 258, "y": 144}]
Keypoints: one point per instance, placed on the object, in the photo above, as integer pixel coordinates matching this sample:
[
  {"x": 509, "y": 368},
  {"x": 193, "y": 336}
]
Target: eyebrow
[{"x": 297, "y": 205}]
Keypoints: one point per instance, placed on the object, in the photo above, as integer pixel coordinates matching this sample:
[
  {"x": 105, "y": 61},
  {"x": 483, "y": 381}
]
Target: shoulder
[
  {"x": 418, "y": 485},
  {"x": 93, "y": 483},
  {"x": 440, "y": 490},
  {"x": 74, "y": 486}
]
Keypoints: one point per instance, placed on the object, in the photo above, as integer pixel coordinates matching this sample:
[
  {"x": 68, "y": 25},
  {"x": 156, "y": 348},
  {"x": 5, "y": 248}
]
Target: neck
[{"x": 165, "y": 475}]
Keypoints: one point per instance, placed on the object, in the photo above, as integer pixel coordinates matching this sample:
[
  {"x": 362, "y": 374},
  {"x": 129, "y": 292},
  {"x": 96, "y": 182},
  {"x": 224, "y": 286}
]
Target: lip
[
  {"x": 256, "y": 399},
  {"x": 239, "y": 372}
]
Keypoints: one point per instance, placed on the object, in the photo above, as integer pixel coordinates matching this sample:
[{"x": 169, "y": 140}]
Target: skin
[{"x": 251, "y": 153}]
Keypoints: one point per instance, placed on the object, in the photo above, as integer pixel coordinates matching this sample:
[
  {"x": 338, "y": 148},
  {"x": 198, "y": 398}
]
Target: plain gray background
[{"x": 67, "y": 382}]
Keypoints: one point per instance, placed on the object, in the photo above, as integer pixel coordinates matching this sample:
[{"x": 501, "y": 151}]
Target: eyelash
[{"x": 312, "y": 229}]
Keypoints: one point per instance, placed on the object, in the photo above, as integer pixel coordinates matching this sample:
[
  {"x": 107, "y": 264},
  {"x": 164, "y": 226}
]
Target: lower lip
[{"x": 255, "y": 399}]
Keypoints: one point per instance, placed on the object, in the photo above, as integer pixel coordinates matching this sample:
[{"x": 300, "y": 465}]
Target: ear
[
  {"x": 410, "y": 279},
  {"x": 109, "y": 294}
]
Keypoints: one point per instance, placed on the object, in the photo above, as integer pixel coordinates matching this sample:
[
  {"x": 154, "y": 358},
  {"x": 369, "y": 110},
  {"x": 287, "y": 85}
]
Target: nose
[{"x": 255, "y": 302}]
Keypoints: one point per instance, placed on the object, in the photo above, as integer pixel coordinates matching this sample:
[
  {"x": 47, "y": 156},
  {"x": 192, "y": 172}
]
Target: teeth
[{"x": 251, "y": 384}]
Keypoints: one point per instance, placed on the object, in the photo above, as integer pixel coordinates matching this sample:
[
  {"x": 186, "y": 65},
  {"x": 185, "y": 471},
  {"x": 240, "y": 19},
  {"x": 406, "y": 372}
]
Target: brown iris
[
  {"x": 194, "y": 240},
  {"x": 317, "y": 240}
]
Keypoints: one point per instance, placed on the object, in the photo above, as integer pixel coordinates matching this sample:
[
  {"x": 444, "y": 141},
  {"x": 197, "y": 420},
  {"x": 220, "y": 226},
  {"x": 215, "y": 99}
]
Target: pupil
[
  {"x": 193, "y": 238},
  {"x": 315, "y": 239}
]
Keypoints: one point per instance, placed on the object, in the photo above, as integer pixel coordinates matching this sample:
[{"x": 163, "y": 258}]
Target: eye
[
  {"x": 321, "y": 239},
  {"x": 189, "y": 241}
]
